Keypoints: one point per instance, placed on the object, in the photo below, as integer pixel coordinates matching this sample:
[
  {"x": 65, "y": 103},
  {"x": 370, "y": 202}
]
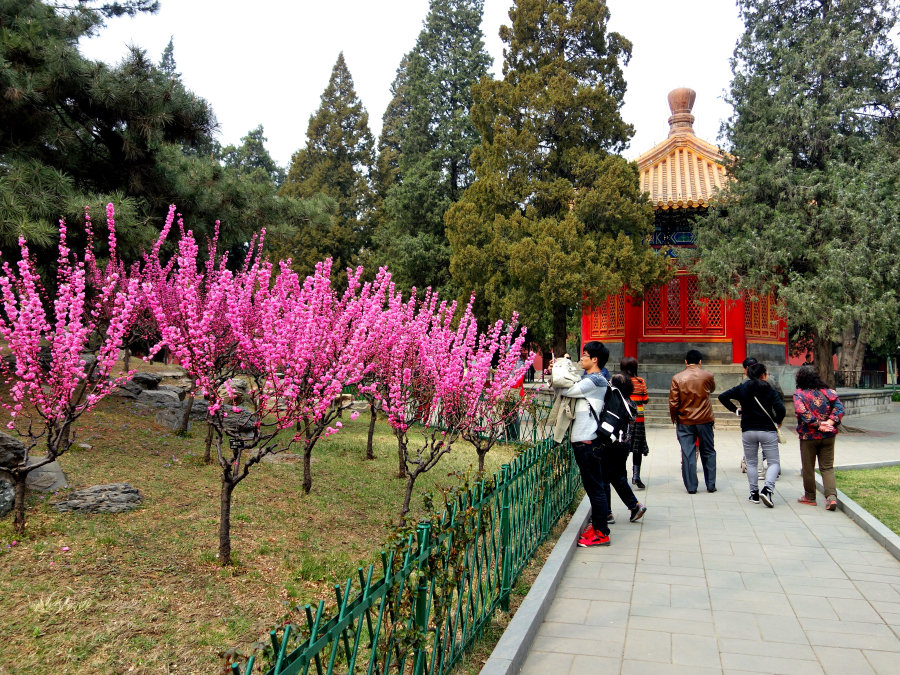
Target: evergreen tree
[
  {"x": 554, "y": 215},
  {"x": 253, "y": 160},
  {"x": 429, "y": 116},
  {"x": 393, "y": 128},
  {"x": 337, "y": 163},
  {"x": 812, "y": 213},
  {"x": 167, "y": 62}
]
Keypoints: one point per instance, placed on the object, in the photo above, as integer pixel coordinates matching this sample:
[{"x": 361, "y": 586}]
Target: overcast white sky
[{"x": 268, "y": 61}]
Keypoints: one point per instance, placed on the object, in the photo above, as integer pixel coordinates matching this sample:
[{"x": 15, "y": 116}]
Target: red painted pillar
[
  {"x": 736, "y": 330},
  {"x": 633, "y": 324},
  {"x": 586, "y": 313}
]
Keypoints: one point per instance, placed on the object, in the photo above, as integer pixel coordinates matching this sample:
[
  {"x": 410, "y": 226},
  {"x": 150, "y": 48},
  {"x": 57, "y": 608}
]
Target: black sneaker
[
  {"x": 754, "y": 497},
  {"x": 766, "y": 497},
  {"x": 638, "y": 512},
  {"x": 611, "y": 519}
]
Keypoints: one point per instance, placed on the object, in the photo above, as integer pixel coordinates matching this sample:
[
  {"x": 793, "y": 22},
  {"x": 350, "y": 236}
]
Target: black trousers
[
  {"x": 612, "y": 462},
  {"x": 592, "y": 478}
]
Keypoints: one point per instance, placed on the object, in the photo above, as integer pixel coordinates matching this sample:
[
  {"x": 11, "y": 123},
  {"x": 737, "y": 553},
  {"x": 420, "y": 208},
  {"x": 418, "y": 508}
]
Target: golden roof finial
[{"x": 681, "y": 101}]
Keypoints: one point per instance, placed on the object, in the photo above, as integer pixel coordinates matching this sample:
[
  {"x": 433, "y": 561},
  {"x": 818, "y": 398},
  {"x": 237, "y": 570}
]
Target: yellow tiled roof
[{"x": 683, "y": 171}]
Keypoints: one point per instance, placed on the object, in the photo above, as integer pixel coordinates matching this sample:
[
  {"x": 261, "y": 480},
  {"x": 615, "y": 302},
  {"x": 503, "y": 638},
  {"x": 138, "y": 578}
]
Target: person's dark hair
[
  {"x": 622, "y": 382},
  {"x": 749, "y": 361},
  {"x": 693, "y": 356},
  {"x": 757, "y": 385},
  {"x": 808, "y": 378},
  {"x": 597, "y": 350},
  {"x": 629, "y": 365}
]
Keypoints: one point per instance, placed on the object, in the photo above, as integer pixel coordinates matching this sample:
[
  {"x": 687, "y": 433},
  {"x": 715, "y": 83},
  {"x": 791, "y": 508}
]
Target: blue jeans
[{"x": 687, "y": 437}]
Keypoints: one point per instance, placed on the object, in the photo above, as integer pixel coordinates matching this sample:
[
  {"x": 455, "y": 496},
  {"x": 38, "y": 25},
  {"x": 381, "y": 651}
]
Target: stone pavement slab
[{"x": 712, "y": 583}]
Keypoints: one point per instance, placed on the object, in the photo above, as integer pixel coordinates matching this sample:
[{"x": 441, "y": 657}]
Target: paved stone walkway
[{"x": 710, "y": 583}]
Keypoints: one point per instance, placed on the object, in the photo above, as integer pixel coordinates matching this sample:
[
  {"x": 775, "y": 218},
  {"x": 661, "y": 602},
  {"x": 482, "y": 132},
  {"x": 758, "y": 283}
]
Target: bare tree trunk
[
  {"x": 822, "y": 356},
  {"x": 186, "y": 417},
  {"x": 407, "y": 497},
  {"x": 370, "y": 451},
  {"x": 559, "y": 331},
  {"x": 853, "y": 352},
  {"x": 126, "y": 359},
  {"x": 207, "y": 457},
  {"x": 401, "y": 457},
  {"x": 481, "y": 455},
  {"x": 225, "y": 521},
  {"x": 19, "y": 504},
  {"x": 307, "y": 469}
]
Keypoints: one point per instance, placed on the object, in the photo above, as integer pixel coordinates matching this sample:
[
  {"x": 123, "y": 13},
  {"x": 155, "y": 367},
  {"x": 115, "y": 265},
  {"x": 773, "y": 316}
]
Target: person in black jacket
[{"x": 761, "y": 409}]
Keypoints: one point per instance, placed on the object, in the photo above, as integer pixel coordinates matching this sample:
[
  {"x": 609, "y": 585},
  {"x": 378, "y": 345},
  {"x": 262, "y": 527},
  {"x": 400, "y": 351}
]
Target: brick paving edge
[
  {"x": 512, "y": 648},
  {"x": 869, "y": 523}
]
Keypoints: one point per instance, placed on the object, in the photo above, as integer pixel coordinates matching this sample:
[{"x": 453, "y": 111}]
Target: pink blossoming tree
[{"x": 63, "y": 351}]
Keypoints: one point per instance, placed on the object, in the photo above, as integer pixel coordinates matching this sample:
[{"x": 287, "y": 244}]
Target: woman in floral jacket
[{"x": 819, "y": 412}]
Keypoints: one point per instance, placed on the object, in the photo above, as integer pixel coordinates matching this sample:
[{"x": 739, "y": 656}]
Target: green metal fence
[{"x": 438, "y": 587}]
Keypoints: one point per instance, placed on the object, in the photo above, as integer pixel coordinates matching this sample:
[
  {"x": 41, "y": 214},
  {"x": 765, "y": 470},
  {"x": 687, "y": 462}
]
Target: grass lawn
[
  {"x": 142, "y": 592},
  {"x": 876, "y": 490}
]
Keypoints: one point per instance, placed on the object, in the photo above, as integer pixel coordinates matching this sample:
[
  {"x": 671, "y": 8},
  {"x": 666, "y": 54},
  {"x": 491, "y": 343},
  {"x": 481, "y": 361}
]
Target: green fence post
[
  {"x": 423, "y": 535},
  {"x": 505, "y": 540}
]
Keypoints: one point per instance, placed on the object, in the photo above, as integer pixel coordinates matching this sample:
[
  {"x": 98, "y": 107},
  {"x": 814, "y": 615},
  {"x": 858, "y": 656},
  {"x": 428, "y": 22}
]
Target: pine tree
[
  {"x": 253, "y": 160},
  {"x": 337, "y": 163},
  {"x": 430, "y": 116},
  {"x": 812, "y": 213},
  {"x": 554, "y": 215},
  {"x": 167, "y": 62}
]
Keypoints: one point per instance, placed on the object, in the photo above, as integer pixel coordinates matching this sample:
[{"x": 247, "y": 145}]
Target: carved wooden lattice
[
  {"x": 608, "y": 318},
  {"x": 676, "y": 309},
  {"x": 760, "y": 319}
]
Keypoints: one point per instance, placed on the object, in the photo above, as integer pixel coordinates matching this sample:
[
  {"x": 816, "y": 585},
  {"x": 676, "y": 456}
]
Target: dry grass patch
[{"x": 143, "y": 591}]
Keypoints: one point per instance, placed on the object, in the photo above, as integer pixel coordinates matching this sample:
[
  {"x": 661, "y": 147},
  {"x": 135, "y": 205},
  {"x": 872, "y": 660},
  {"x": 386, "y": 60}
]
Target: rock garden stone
[
  {"x": 180, "y": 392},
  {"x": 146, "y": 380},
  {"x": 12, "y": 450},
  {"x": 159, "y": 398},
  {"x": 240, "y": 388},
  {"x": 7, "y": 497},
  {"x": 128, "y": 390},
  {"x": 47, "y": 478},
  {"x": 111, "y": 498}
]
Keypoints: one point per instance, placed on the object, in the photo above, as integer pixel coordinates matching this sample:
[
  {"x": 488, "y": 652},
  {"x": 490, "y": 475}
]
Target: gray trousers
[{"x": 768, "y": 442}]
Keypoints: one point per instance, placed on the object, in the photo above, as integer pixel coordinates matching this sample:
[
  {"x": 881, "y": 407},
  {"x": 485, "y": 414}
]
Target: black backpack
[{"x": 614, "y": 421}]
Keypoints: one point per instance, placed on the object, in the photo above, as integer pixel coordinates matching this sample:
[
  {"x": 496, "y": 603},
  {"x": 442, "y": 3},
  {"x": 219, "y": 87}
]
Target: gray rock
[
  {"x": 159, "y": 398},
  {"x": 112, "y": 498},
  {"x": 128, "y": 390},
  {"x": 240, "y": 388},
  {"x": 180, "y": 392},
  {"x": 239, "y": 422},
  {"x": 47, "y": 478},
  {"x": 171, "y": 417},
  {"x": 12, "y": 450},
  {"x": 147, "y": 380},
  {"x": 7, "y": 497}
]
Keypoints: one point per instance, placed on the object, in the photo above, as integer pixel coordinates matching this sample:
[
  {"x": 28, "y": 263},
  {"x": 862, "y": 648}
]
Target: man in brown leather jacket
[{"x": 692, "y": 414}]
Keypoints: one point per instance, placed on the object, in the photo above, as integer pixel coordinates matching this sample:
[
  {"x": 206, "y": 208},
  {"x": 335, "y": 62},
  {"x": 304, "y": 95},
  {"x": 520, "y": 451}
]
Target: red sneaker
[
  {"x": 804, "y": 500},
  {"x": 831, "y": 503},
  {"x": 588, "y": 532},
  {"x": 597, "y": 539}
]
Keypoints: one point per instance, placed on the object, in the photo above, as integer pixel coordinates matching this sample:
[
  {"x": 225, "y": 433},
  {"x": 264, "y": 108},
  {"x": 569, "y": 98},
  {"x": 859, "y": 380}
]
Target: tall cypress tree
[
  {"x": 337, "y": 162},
  {"x": 554, "y": 214},
  {"x": 430, "y": 116},
  {"x": 812, "y": 213}
]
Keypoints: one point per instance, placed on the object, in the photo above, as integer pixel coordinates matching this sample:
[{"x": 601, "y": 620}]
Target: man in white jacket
[{"x": 589, "y": 393}]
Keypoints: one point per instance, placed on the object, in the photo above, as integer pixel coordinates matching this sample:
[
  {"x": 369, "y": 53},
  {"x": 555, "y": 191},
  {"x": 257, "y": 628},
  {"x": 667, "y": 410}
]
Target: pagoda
[{"x": 681, "y": 176}]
